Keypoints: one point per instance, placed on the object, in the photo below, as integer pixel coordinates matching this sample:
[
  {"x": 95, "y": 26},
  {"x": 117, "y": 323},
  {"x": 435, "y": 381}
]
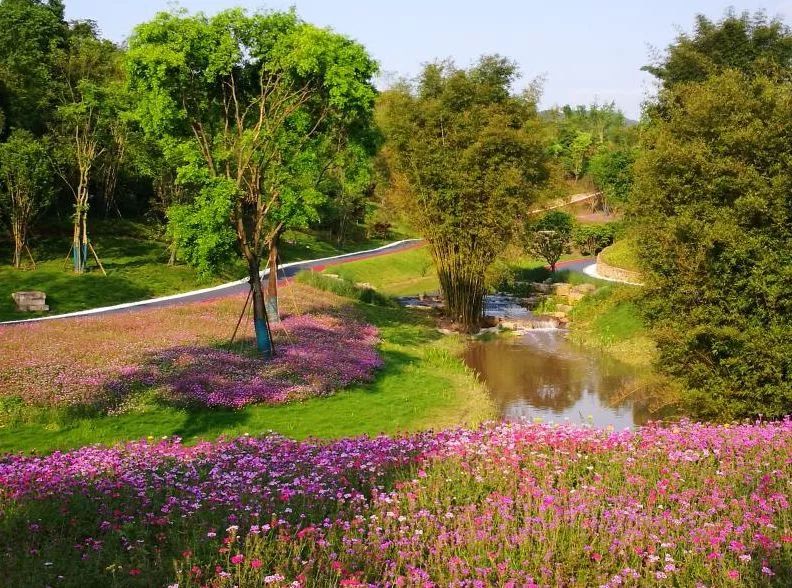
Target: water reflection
[{"x": 542, "y": 375}]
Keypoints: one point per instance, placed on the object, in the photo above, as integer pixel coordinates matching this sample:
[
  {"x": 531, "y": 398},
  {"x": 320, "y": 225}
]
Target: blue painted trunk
[{"x": 263, "y": 337}]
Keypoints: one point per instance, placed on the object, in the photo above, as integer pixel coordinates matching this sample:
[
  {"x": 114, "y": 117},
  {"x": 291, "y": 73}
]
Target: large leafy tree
[
  {"x": 32, "y": 32},
  {"x": 611, "y": 171},
  {"x": 25, "y": 186},
  {"x": 246, "y": 103},
  {"x": 712, "y": 211},
  {"x": 712, "y": 205},
  {"x": 751, "y": 43},
  {"x": 466, "y": 156}
]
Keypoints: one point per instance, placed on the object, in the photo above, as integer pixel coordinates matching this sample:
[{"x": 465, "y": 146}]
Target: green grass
[
  {"x": 621, "y": 254},
  {"x": 136, "y": 264},
  {"x": 344, "y": 288},
  {"x": 610, "y": 320},
  {"x": 409, "y": 272},
  {"x": 423, "y": 385}
]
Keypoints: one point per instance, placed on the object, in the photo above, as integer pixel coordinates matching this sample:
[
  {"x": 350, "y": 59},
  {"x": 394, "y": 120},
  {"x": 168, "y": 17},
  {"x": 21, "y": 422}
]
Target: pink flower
[
  {"x": 733, "y": 574},
  {"x": 237, "y": 559},
  {"x": 255, "y": 563}
]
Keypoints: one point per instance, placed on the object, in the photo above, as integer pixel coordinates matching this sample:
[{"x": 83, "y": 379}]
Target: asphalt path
[{"x": 285, "y": 271}]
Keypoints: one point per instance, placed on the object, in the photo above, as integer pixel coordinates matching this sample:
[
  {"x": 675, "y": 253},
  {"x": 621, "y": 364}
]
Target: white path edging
[
  {"x": 591, "y": 270},
  {"x": 193, "y": 293}
]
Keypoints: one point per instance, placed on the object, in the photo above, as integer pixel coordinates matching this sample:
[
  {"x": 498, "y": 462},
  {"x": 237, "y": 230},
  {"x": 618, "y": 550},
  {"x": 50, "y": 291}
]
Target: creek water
[{"x": 540, "y": 374}]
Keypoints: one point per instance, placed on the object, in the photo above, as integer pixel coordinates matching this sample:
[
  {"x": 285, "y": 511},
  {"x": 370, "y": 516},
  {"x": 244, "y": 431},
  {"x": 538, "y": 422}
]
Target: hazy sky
[{"x": 586, "y": 50}]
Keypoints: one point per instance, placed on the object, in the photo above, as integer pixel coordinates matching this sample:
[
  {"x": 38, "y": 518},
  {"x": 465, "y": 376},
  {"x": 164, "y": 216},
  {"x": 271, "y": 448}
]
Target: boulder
[
  {"x": 541, "y": 287},
  {"x": 32, "y": 301},
  {"x": 561, "y": 289}
]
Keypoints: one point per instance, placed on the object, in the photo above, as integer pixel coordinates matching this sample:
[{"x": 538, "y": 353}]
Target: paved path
[
  {"x": 562, "y": 202},
  {"x": 287, "y": 270},
  {"x": 591, "y": 270}
]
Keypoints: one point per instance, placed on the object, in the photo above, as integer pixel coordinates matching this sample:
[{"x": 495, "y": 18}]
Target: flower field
[
  {"x": 503, "y": 505},
  {"x": 183, "y": 353}
]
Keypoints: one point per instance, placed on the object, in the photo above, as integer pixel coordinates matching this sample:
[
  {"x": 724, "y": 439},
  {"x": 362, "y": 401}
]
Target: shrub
[{"x": 591, "y": 239}]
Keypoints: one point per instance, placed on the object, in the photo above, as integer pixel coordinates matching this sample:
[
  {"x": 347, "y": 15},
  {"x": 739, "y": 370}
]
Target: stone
[
  {"x": 561, "y": 289},
  {"x": 585, "y": 288},
  {"x": 32, "y": 301},
  {"x": 563, "y": 307},
  {"x": 540, "y": 287},
  {"x": 575, "y": 296},
  {"x": 532, "y": 301}
]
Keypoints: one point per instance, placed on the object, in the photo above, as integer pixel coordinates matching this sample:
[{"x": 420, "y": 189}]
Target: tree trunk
[
  {"x": 76, "y": 257},
  {"x": 272, "y": 281},
  {"x": 463, "y": 288},
  {"x": 260, "y": 322},
  {"x": 19, "y": 245}
]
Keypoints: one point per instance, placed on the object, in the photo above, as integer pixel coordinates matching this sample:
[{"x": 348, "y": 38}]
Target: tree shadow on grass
[{"x": 199, "y": 422}]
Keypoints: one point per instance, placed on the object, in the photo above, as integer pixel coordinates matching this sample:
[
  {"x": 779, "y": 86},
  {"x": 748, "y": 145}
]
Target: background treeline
[{"x": 75, "y": 150}]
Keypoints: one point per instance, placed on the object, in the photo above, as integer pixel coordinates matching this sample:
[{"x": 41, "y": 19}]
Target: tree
[
  {"x": 577, "y": 155},
  {"x": 466, "y": 158},
  {"x": 752, "y": 44},
  {"x": 25, "y": 188},
  {"x": 247, "y": 101},
  {"x": 711, "y": 205},
  {"x": 591, "y": 239},
  {"x": 87, "y": 109},
  {"x": 31, "y": 32},
  {"x": 548, "y": 237},
  {"x": 611, "y": 171}
]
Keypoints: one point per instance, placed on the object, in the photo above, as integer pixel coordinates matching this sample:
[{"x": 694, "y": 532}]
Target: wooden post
[{"x": 96, "y": 257}]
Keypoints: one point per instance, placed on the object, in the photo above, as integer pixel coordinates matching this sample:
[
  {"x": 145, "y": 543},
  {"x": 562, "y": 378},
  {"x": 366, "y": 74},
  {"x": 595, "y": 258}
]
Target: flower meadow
[
  {"x": 509, "y": 505},
  {"x": 183, "y": 353}
]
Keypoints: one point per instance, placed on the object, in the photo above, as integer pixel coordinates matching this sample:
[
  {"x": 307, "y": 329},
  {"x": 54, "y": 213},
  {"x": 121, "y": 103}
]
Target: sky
[{"x": 586, "y": 51}]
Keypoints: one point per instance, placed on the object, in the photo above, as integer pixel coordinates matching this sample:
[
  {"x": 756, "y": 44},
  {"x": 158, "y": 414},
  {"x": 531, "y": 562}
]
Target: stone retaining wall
[{"x": 617, "y": 273}]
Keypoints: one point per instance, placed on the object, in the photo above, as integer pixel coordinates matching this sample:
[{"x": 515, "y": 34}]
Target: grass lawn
[
  {"x": 609, "y": 319},
  {"x": 622, "y": 254},
  {"x": 136, "y": 265},
  {"x": 422, "y": 385},
  {"x": 410, "y": 272}
]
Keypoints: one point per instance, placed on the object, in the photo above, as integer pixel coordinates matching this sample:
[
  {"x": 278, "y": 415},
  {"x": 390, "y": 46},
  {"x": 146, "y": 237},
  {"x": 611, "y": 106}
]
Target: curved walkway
[
  {"x": 239, "y": 286},
  {"x": 591, "y": 270}
]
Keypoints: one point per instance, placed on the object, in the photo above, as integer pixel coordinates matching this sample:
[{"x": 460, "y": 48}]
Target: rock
[
  {"x": 365, "y": 286},
  {"x": 540, "y": 287},
  {"x": 574, "y": 296},
  {"x": 561, "y": 289},
  {"x": 558, "y": 314},
  {"x": 32, "y": 301},
  {"x": 532, "y": 301},
  {"x": 563, "y": 307},
  {"x": 585, "y": 288}
]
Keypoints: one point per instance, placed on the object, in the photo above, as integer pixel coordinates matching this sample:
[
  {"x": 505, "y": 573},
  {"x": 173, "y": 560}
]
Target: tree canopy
[
  {"x": 715, "y": 236},
  {"x": 751, "y": 43},
  {"x": 466, "y": 157},
  {"x": 250, "y": 107}
]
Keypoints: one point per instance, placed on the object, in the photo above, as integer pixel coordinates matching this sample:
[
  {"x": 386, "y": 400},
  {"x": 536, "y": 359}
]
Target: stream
[{"x": 538, "y": 373}]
